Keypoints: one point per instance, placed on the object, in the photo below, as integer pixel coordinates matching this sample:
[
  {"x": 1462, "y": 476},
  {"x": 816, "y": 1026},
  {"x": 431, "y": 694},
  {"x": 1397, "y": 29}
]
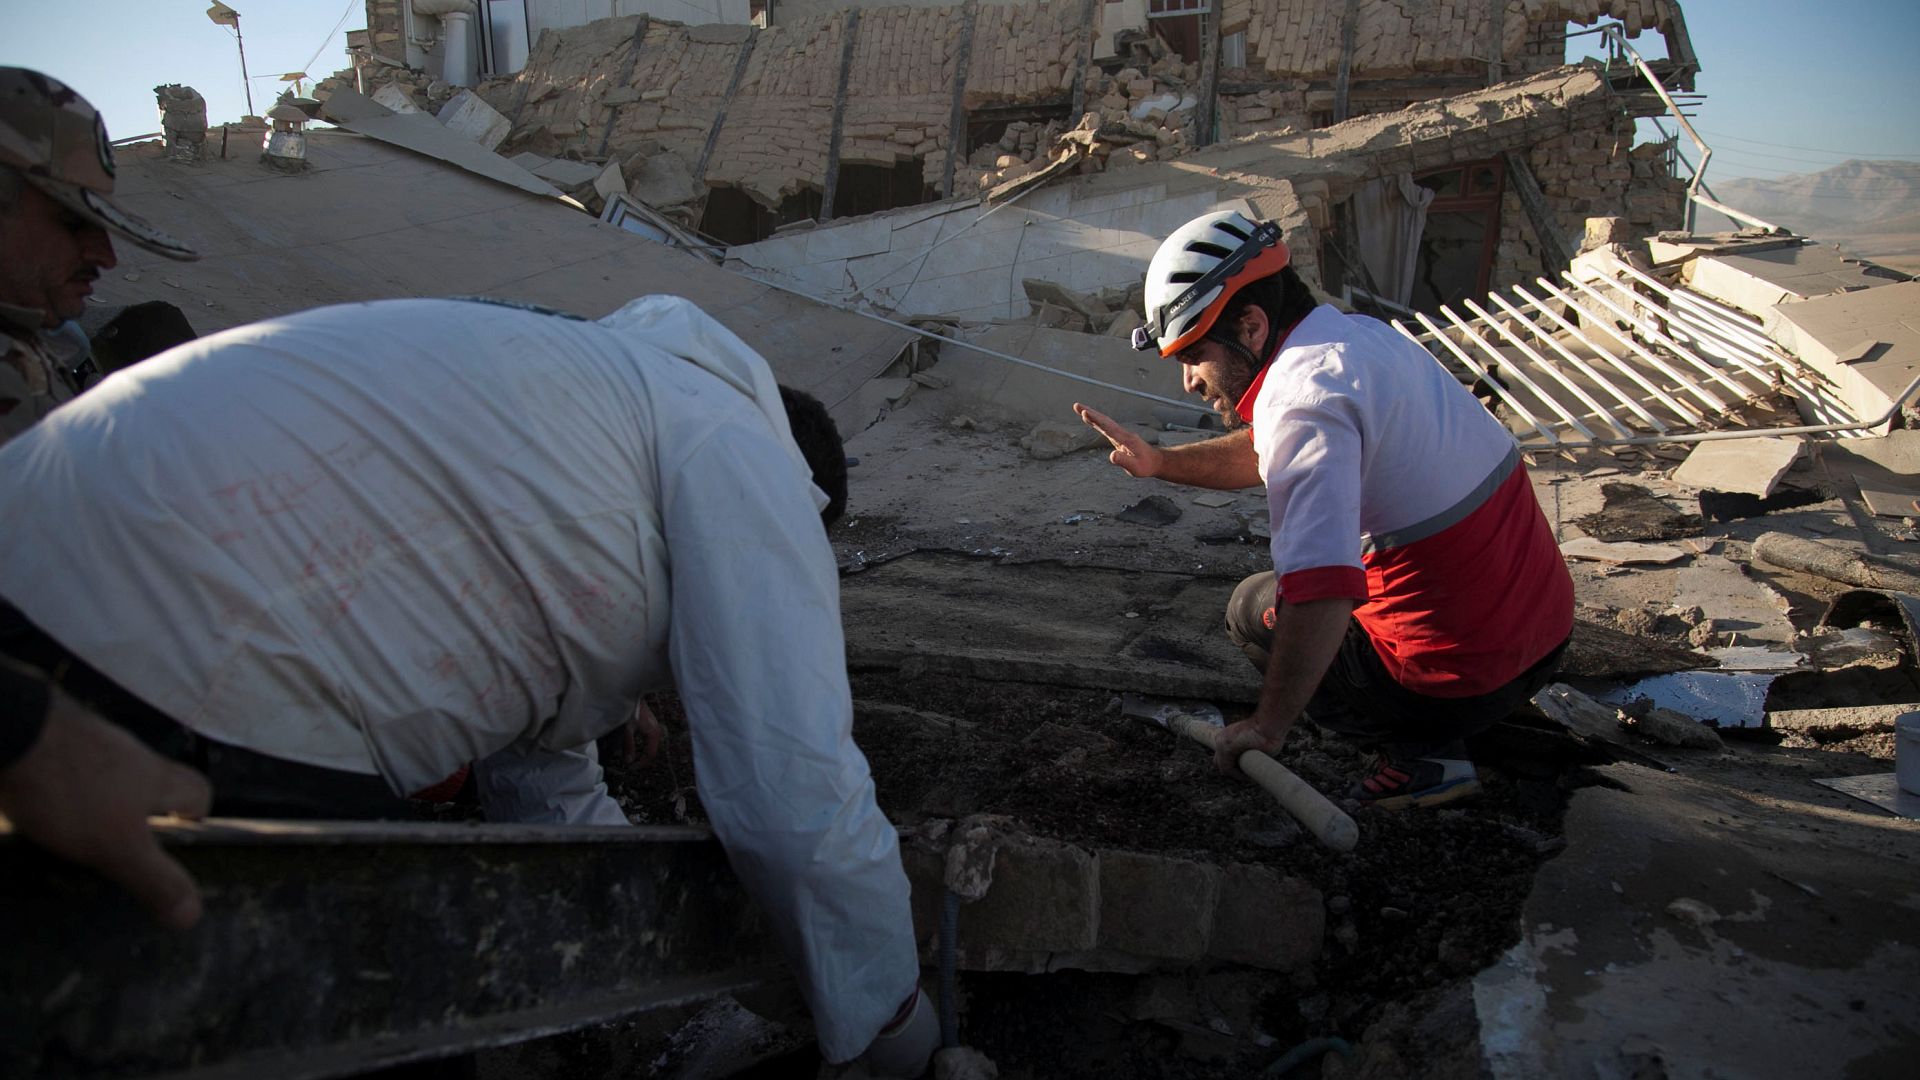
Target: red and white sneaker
[{"x": 1416, "y": 782}]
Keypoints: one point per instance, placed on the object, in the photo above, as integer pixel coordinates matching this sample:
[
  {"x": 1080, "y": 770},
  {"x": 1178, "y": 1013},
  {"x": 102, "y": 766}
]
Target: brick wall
[
  {"x": 1400, "y": 38},
  {"x": 775, "y": 139},
  {"x": 900, "y": 88},
  {"x": 1589, "y": 173},
  {"x": 385, "y": 27}
]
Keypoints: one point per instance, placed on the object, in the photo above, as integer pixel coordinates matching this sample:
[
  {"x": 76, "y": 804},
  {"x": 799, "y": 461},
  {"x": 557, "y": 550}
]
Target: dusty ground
[{"x": 957, "y": 544}]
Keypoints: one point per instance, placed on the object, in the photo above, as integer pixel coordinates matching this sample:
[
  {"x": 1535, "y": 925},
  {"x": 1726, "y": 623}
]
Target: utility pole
[{"x": 222, "y": 15}]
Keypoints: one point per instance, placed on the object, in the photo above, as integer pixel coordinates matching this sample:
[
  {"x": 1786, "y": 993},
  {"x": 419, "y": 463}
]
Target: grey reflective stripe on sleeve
[{"x": 1451, "y": 516}]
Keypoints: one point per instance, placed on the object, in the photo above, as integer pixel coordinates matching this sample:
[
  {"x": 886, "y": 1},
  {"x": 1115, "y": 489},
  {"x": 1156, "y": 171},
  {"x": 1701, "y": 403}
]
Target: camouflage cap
[{"x": 59, "y": 144}]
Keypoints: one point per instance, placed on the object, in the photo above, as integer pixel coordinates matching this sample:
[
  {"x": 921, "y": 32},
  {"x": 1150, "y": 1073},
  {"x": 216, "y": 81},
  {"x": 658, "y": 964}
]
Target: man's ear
[{"x": 1252, "y": 329}]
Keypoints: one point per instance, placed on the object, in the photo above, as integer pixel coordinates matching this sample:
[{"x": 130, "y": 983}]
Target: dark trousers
[
  {"x": 1360, "y": 699},
  {"x": 245, "y": 783}
]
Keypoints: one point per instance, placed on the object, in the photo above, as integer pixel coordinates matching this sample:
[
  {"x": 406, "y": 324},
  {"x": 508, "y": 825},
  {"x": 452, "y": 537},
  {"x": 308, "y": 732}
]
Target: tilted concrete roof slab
[
  {"x": 1755, "y": 281},
  {"x": 368, "y": 221}
]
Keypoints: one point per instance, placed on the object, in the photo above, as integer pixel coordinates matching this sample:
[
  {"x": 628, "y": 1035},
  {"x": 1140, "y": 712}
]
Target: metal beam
[
  {"x": 626, "y": 80},
  {"x": 1208, "y": 108},
  {"x": 849, "y": 36},
  {"x": 720, "y": 118},
  {"x": 1343, "y": 80},
  {"x": 328, "y": 949},
  {"x": 957, "y": 118}
]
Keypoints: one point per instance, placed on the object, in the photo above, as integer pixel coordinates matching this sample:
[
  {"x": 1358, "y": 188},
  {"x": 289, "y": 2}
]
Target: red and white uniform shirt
[{"x": 1388, "y": 483}]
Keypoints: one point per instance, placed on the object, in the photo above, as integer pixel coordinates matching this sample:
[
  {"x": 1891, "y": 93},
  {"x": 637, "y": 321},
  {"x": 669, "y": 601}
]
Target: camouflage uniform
[{"x": 56, "y": 142}]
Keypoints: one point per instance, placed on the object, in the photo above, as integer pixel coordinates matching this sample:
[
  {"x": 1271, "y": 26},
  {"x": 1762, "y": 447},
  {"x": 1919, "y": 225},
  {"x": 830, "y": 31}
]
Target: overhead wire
[{"x": 328, "y": 40}]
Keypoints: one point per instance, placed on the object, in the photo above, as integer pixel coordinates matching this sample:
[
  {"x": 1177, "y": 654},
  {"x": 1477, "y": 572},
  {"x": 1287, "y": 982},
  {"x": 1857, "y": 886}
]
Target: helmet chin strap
[{"x": 1234, "y": 343}]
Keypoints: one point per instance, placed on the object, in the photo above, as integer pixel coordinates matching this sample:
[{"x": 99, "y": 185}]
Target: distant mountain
[{"x": 1872, "y": 208}]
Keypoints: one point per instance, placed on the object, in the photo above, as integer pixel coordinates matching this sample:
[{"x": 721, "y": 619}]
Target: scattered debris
[
  {"x": 1631, "y": 512},
  {"x": 1622, "y": 552},
  {"x": 1669, "y": 728},
  {"x": 1152, "y": 510},
  {"x": 1051, "y": 439}
]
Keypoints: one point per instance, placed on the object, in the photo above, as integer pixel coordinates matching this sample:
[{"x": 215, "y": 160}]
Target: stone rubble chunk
[
  {"x": 1051, "y": 439},
  {"x": 467, "y": 114}
]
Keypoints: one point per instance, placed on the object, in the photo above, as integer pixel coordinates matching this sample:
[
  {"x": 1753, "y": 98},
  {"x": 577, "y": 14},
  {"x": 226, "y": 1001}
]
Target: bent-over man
[
  {"x": 334, "y": 557},
  {"x": 1417, "y": 594}
]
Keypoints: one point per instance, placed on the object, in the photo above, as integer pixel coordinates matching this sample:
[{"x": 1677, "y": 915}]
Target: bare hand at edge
[
  {"x": 84, "y": 791},
  {"x": 1130, "y": 451},
  {"x": 1238, "y": 738}
]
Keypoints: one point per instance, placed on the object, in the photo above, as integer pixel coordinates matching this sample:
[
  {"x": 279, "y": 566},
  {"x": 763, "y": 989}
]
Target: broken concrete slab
[
  {"x": 1820, "y": 331},
  {"x": 1736, "y": 602},
  {"x": 1880, "y": 789},
  {"x": 1813, "y": 928},
  {"x": 567, "y": 175},
  {"x": 609, "y": 182},
  {"x": 1745, "y": 466},
  {"x": 1886, "y": 499},
  {"x": 1621, "y": 553},
  {"x": 1049, "y": 292},
  {"x": 662, "y": 180},
  {"x": 422, "y": 134},
  {"x": 1755, "y": 281},
  {"x": 471, "y": 116}
]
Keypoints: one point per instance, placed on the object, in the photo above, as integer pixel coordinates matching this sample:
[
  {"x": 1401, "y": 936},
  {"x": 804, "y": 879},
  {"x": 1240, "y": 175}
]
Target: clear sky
[{"x": 1792, "y": 85}]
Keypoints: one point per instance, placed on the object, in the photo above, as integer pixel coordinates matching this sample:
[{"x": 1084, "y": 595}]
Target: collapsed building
[
  {"x": 1003, "y": 172},
  {"x": 821, "y": 115}
]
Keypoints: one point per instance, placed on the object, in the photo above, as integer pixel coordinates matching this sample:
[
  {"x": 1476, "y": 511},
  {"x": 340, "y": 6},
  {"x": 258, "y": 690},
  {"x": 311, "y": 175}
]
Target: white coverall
[{"x": 402, "y": 536}]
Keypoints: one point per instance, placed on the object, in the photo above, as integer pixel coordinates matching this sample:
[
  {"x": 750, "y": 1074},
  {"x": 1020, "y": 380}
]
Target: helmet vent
[
  {"x": 1229, "y": 228},
  {"x": 1201, "y": 247},
  {"x": 1185, "y": 277}
]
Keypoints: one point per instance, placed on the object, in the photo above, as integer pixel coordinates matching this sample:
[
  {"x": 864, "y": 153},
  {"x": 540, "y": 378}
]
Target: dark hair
[
  {"x": 1283, "y": 296},
  {"x": 820, "y": 444}
]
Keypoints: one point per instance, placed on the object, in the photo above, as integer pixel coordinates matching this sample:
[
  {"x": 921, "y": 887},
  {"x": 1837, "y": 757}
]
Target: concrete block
[
  {"x": 1264, "y": 920},
  {"x": 395, "y": 97},
  {"x": 467, "y": 114},
  {"x": 568, "y": 175},
  {"x": 1746, "y": 466},
  {"x": 1049, "y": 292},
  {"x": 1045, "y": 898},
  {"x": 1154, "y": 906}
]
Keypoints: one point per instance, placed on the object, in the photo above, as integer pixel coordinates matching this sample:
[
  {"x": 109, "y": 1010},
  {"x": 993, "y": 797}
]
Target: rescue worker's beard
[{"x": 1235, "y": 378}]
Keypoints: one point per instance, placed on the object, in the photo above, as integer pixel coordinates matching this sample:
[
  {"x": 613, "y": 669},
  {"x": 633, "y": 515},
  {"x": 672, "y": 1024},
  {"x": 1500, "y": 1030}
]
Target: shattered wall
[
  {"x": 1398, "y": 38},
  {"x": 729, "y": 106},
  {"x": 900, "y": 89}
]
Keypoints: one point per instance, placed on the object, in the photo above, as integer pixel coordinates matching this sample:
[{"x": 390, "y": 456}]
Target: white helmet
[{"x": 1198, "y": 269}]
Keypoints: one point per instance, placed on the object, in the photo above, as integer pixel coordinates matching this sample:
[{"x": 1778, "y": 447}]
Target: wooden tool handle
[{"x": 1327, "y": 822}]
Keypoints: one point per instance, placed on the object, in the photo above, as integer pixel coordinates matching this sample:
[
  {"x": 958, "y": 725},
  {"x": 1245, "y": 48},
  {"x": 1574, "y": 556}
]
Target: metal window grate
[{"x": 1624, "y": 360}]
